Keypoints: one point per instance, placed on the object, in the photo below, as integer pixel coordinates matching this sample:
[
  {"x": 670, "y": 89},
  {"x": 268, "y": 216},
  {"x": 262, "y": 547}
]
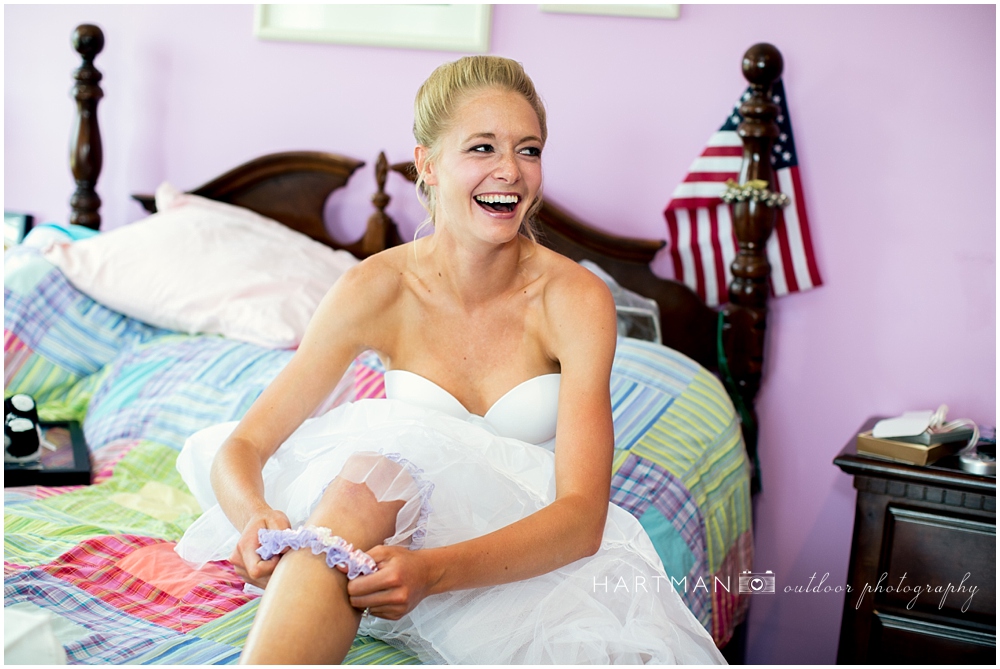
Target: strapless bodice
[{"x": 526, "y": 412}]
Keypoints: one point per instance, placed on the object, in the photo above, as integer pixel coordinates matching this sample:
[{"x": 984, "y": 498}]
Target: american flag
[{"x": 700, "y": 227}]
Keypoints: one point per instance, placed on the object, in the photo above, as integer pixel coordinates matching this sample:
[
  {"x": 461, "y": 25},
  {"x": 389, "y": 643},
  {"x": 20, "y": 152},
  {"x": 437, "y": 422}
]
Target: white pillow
[{"x": 200, "y": 266}]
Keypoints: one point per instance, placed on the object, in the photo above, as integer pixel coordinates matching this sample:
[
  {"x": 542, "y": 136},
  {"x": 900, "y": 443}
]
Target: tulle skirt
[{"x": 460, "y": 481}]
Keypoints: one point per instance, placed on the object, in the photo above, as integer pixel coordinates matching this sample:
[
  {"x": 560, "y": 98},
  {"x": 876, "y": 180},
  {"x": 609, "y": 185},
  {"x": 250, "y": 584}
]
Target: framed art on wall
[
  {"x": 637, "y": 11},
  {"x": 463, "y": 28}
]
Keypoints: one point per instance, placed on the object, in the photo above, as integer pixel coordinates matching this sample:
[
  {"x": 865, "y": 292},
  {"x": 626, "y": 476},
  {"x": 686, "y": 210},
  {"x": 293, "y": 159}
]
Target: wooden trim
[
  {"x": 290, "y": 187},
  {"x": 554, "y": 218}
]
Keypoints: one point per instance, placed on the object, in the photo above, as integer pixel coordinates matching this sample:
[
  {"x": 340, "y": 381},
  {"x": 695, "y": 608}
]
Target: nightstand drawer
[
  {"x": 945, "y": 556},
  {"x": 897, "y": 640}
]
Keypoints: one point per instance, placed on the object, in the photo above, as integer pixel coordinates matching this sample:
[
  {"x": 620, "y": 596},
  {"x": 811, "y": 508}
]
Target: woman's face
[{"x": 489, "y": 170}]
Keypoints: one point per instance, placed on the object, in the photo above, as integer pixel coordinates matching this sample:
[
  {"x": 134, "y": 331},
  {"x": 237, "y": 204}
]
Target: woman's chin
[
  {"x": 494, "y": 228},
  {"x": 487, "y": 226},
  {"x": 504, "y": 233}
]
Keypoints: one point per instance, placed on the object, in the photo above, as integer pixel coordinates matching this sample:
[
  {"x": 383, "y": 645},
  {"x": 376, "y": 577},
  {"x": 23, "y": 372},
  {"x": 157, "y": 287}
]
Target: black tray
[{"x": 69, "y": 464}]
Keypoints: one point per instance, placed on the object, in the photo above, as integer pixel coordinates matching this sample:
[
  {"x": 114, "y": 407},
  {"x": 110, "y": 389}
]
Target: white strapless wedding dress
[{"x": 463, "y": 476}]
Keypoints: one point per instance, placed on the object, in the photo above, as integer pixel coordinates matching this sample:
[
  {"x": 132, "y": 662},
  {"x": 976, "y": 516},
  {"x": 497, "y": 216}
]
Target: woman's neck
[{"x": 474, "y": 273}]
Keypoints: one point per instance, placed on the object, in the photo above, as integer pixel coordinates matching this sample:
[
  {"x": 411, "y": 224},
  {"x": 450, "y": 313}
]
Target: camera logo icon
[{"x": 756, "y": 584}]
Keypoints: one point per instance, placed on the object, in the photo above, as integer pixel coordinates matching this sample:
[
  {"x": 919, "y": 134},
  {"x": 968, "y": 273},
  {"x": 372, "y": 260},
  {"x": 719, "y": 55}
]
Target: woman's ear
[{"x": 424, "y": 165}]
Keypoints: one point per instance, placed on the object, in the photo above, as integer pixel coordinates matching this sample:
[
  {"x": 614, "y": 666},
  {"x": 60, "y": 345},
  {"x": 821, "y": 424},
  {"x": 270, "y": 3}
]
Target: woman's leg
[{"x": 305, "y": 616}]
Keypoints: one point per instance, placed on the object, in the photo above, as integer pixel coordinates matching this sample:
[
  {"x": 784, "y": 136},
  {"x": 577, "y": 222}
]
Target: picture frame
[
  {"x": 454, "y": 27},
  {"x": 638, "y": 11}
]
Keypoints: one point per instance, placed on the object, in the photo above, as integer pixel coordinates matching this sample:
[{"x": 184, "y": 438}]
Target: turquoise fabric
[{"x": 670, "y": 545}]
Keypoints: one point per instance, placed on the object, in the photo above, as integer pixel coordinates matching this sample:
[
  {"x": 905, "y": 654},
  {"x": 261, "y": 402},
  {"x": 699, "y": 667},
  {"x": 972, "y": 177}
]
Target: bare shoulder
[
  {"x": 572, "y": 288},
  {"x": 579, "y": 306},
  {"x": 376, "y": 278},
  {"x": 360, "y": 304}
]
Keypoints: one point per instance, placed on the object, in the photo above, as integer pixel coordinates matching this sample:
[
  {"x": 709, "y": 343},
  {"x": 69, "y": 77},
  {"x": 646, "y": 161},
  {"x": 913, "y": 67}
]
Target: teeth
[{"x": 497, "y": 199}]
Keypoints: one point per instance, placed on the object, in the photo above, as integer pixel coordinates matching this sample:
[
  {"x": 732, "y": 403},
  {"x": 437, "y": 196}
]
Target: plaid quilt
[{"x": 100, "y": 557}]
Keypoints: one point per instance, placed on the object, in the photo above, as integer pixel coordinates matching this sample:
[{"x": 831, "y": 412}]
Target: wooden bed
[{"x": 293, "y": 187}]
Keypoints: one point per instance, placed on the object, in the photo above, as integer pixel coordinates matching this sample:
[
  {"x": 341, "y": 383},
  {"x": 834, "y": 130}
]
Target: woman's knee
[{"x": 351, "y": 505}]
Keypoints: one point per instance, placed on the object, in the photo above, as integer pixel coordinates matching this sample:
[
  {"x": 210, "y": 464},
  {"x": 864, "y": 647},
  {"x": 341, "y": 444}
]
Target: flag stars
[
  {"x": 735, "y": 119},
  {"x": 776, "y": 99},
  {"x": 781, "y": 118},
  {"x": 783, "y": 137},
  {"x": 777, "y": 148},
  {"x": 786, "y": 155}
]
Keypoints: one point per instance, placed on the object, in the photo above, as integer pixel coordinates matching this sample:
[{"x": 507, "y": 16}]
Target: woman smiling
[{"x": 466, "y": 515}]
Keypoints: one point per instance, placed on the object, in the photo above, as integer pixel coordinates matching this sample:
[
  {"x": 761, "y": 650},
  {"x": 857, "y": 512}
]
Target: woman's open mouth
[{"x": 498, "y": 203}]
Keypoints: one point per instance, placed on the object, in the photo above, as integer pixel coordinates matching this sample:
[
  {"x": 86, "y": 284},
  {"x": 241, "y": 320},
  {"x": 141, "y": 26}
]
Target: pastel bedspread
[{"x": 100, "y": 557}]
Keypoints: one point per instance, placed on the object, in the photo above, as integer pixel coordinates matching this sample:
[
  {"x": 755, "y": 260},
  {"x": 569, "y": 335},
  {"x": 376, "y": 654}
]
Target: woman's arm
[
  {"x": 341, "y": 329},
  {"x": 582, "y": 332}
]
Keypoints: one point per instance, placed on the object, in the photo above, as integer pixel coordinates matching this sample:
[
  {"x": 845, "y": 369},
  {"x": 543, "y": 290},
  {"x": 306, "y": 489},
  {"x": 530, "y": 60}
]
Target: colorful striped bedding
[{"x": 100, "y": 557}]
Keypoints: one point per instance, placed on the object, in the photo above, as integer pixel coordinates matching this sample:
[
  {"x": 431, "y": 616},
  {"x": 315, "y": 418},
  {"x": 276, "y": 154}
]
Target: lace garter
[{"x": 338, "y": 552}]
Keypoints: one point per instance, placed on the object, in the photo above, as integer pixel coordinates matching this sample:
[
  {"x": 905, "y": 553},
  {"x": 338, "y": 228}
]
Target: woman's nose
[{"x": 507, "y": 168}]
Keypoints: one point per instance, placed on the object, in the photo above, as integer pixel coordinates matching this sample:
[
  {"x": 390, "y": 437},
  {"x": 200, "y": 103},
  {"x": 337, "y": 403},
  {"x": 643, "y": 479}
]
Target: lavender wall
[{"x": 895, "y": 118}]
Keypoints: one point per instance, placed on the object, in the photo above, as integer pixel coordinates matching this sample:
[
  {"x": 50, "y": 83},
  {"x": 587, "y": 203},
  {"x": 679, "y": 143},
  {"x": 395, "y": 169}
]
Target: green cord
[{"x": 746, "y": 418}]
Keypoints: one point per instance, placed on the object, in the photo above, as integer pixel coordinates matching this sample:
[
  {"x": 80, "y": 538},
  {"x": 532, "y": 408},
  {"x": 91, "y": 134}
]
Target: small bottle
[
  {"x": 21, "y": 440},
  {"x": 20, "y": 406}
]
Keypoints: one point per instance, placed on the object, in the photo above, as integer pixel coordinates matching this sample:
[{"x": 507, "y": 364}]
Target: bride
[{"x": 481, "y": 532}]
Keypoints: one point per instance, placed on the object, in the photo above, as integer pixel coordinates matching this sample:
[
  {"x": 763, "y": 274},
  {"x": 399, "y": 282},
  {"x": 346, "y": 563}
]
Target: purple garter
[{"x": 319, "y": 540}]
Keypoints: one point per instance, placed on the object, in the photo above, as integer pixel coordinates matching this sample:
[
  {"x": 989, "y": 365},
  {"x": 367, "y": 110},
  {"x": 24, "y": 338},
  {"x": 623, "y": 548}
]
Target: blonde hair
[{"x": 441, "y": 94}]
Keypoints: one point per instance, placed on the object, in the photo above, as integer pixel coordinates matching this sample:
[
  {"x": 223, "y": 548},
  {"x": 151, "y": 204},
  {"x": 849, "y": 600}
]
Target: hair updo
[{"x": 446, "y": 88}]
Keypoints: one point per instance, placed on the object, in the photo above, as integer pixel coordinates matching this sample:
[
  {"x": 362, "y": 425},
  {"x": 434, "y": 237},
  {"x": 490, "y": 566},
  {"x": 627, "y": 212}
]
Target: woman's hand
[
  {"x": 248, "y": 564},
  {"x": 403, "y": 579}
]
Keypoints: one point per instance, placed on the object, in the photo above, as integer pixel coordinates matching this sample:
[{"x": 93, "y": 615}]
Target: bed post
[
  {"x": 381, "y": 232},
  {"x": 745, "y": 319},
  {"x": 86, "y": 153}
]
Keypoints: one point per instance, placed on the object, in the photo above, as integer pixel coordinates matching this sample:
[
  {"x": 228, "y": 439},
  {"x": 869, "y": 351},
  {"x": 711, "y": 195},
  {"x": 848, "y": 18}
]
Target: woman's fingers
[
  {"x": 393, "y": 590},
  {"x": 256, "y": 571},
  {"x": 379, "y": 608},
  {"x": 248, "y": 564},
  {"x": 364, "y": 586},
  {"x": 277, "y": 520},
  {"x": 382, "y": 552},
  {"x": 387, "y": 612}
]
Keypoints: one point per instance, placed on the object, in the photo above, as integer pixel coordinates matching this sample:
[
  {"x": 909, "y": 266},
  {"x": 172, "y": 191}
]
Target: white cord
[
  {"x": 938, "y": 424},
  {"x": 937, "y": 418}
]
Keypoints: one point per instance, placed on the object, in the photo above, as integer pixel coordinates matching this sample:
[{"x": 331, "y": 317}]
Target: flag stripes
[{"x": 700, "y": 232}]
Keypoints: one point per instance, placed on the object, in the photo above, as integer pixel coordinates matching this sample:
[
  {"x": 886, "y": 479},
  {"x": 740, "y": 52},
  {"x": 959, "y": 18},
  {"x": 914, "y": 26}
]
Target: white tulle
[{"x": 461, "y": 481}]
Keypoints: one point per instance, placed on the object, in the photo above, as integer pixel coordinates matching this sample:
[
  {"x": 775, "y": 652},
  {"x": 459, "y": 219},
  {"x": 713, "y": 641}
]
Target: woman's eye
[
  {"x": 482, "y": 148},
  {"x": 532, "y": 151}
]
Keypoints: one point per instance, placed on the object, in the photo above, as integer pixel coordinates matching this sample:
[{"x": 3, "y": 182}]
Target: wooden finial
[
  {"x": 762, "y": 64},
  {"x": 381, "y": 231},
  {"x": 86, "y": 153}
]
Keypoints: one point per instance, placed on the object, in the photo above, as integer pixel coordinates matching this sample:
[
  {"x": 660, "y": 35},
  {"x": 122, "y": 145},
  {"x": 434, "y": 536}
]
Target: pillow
[
  {"x": 200, "y": 266},
  {"x": 54, "y": 335}
]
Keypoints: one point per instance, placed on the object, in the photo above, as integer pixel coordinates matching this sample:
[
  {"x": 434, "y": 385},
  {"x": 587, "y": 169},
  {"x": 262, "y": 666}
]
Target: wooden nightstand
[{"x": 933, "y": 525}]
